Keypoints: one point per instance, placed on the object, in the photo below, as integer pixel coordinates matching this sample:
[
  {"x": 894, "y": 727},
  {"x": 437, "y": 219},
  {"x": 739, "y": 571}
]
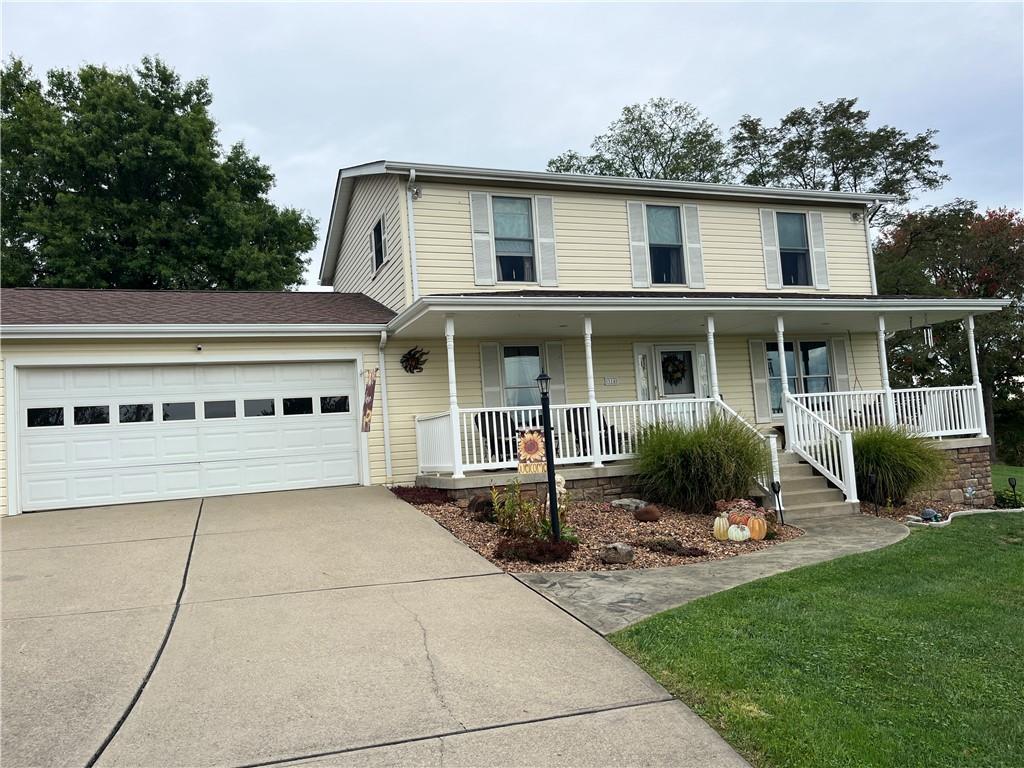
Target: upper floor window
[
  {"x": 665, "y": 241},
  {"x": 794, "y": 248},
  {"x": 513, "y": 239},
  {"x": 377, "y": 244}
]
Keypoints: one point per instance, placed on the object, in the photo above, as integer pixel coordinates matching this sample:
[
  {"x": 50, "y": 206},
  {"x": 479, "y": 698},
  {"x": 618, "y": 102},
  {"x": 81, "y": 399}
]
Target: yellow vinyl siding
[
  {"x": 372, "y": 198},
  {"x": 592, "y": 243}
]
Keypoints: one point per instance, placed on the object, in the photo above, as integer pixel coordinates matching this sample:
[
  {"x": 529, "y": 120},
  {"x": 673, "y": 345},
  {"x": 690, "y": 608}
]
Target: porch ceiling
[{"x": 624, "y": 315}]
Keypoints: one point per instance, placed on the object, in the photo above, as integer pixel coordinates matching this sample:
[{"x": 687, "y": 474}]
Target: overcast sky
[{"x": 315, "y": 87}]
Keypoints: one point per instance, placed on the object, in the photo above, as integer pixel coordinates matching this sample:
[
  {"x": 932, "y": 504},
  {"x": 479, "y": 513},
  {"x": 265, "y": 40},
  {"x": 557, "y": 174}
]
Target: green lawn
[
  {"x": 909, "y": 656},
  {"x": 1000, "y": 473}
]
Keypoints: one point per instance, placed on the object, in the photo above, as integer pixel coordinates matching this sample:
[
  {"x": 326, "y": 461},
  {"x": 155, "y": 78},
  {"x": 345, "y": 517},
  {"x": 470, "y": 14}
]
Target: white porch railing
[
  {"x": 622, "y": 423},
  {"x": 928, "y": 412},
  {"x": 827, "y": 449},
  {"x": 434, "y": 442},
  {"x": 489, "y": 436}
]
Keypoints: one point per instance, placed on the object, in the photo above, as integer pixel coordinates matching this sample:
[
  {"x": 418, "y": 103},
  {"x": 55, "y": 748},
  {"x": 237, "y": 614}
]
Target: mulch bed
[{"x": 597, "y": 524}]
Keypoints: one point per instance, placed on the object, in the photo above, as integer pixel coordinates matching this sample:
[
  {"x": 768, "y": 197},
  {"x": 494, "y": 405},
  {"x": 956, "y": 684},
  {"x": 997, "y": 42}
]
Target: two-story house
[{"x": 644, "y": 301}]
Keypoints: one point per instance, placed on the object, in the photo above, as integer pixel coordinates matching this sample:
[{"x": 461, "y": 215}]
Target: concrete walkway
[
  {"x": 607, "y": 601},
  {"x": 337, "y": 627}
]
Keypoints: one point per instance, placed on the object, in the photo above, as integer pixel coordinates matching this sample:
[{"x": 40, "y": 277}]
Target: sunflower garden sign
[{"x": 532, "y": 456}]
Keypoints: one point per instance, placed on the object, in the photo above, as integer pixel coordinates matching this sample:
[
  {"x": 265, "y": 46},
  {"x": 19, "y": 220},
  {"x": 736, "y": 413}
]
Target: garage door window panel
[
  {"x": 219, "y": 409},
  {"x": 46, "y": 417},
  {"x": 297, "y": 406},
  {"x": 334, "y": 404},
  {"x": 259, "y": 407},
  {"x": 179, "y": 411},
  {"x": 91, "y": 414},
  {"x": 135, "y": 413}
]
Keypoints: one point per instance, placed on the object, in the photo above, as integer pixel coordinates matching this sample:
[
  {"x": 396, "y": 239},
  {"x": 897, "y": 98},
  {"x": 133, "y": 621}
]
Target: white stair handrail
[{"x": 827, "y": 449}]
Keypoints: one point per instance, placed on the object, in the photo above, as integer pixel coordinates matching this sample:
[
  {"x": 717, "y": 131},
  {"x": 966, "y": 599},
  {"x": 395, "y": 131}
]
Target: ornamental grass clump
[
  {"x": 900, "y": 462},
  {"x": 691, "y": 468}
]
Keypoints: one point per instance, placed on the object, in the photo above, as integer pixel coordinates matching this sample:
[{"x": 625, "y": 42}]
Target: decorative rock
[
  {"x": 616, "y": 554},
  {"x": 462, "y": 503},
  {"x": 631, "y": 504},
  {"x": 481, "y": 508},
  {"x": 648, "y": 514}
]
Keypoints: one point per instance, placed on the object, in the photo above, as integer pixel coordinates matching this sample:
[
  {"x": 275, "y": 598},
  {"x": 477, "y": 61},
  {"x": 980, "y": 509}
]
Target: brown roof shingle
[{"x": 72, "y": 306}]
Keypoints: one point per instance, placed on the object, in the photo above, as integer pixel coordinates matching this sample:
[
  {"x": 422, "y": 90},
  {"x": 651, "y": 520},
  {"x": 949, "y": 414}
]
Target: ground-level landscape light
[{"x": 1013, "y": 487}]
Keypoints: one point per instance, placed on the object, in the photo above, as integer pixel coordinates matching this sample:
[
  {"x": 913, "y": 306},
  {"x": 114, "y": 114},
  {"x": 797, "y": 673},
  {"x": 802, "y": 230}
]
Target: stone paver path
[{"x": 607, "y": 601}]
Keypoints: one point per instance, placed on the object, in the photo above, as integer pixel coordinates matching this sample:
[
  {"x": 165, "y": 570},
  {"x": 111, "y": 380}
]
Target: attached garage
[
  {"x": 105, "y": 435},
  {"x": 129, "y": 413}
]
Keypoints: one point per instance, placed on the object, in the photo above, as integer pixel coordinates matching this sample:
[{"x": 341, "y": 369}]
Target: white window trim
[
  {"x": 374, "y": 269},
  {"x": 543, "y": 350},
  {"x": 494, "y": 245},
  {"x": 798, "y": 375},
  {"x": 682, "y": 246},
  {"x": 806, "y": 212}
]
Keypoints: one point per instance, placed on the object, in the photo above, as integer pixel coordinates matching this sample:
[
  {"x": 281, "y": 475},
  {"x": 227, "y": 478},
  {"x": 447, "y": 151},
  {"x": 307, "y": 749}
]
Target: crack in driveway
[{"x": 435, "y": 683}]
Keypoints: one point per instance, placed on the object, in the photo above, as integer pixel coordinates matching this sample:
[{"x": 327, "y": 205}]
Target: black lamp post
[
  {"x": 1013, "y": 487},
  {"x": 776, "y": 487},
  {"x": 544, "y": 385}
]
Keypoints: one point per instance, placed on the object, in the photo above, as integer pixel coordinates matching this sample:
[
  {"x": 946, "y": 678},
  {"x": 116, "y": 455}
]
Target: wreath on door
[{"x": 673, "y": 369}]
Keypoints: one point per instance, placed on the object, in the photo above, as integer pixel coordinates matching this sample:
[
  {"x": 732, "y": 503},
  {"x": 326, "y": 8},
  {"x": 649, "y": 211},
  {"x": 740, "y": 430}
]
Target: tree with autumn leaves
[{"x": 955, "y": 250}]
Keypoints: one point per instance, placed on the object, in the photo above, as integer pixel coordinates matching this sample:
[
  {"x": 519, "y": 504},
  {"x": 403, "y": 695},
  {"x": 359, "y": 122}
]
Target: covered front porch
[{"x": 638, "y": 362}]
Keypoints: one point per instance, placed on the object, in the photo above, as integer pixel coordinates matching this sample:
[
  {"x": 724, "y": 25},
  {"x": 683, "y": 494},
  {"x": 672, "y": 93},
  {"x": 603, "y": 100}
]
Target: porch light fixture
[{"x": 544, "y": 385}]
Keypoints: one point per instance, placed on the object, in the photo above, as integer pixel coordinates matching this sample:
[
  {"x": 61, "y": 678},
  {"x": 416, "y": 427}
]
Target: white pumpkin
[{"x": 738, "y": 533}]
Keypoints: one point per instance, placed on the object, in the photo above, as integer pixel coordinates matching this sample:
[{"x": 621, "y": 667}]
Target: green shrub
[
  {"x": 901, "y": 463},
  {"x": 690, "y": 469},
  {"x": 515, "y": 514},
  {"x": 1005, "y": 499}
]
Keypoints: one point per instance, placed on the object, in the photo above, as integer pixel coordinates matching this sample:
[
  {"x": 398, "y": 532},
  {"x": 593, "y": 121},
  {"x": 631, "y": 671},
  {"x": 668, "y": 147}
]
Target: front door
[{"x": 674, "y": 373}]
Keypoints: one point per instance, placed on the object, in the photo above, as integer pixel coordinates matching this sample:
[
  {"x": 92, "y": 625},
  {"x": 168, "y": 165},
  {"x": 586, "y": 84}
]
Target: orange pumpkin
[
  {"x": 739, "y": 518},
  {"x": 758, "y": 528}
]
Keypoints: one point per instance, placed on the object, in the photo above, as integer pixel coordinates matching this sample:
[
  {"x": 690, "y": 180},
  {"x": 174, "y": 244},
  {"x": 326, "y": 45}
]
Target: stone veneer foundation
[{"x": 970, "y": 464}]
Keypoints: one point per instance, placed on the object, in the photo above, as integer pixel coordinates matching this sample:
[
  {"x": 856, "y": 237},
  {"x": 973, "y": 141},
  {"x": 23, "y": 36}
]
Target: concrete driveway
[{"x": 334, "y": 627}]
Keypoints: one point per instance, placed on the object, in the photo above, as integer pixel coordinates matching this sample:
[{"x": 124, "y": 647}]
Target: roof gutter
[
  {"x": 177, "y": 331},
  {"x": 613, "y": 183},
  {"x": 590, "y": 305}
]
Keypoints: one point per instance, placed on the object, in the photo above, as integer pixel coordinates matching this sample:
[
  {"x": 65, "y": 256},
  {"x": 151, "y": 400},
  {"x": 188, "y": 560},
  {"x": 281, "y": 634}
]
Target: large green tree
[
  {"x": 829, "y": 146},
  {"x": 116, "y": 179},
  {"x": 957, "y": 250},
  {"x": 661, "y": 139}
]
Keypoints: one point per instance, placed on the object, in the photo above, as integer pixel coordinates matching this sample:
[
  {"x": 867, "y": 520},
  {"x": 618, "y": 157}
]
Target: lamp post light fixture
[
  {"x": 1013, "y": 487},
  {"x": 776, "y": 487},
  {"x": 544, "y": 385}
]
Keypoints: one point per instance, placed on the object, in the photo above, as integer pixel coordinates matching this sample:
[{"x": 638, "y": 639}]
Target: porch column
[
  {"x": 780, "y": 328},
  {"x": 712, "y": 358},
  {"x": 883, "y": 361},
  {"x": 975, "y": 378},
  {"x": 595, "y": 417},
  {"x": 453, "y": 400}
]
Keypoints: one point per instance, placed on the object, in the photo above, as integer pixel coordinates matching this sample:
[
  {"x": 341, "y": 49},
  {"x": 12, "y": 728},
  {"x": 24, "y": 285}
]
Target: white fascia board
[
  {"x": 614, "y": 183},
  {"x": 587, "y": 304},
  {"x": 169, "y": 331}
]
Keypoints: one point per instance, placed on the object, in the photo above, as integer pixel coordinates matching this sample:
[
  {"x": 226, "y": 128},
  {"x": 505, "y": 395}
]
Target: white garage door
[{"x": 91, "y": 436}]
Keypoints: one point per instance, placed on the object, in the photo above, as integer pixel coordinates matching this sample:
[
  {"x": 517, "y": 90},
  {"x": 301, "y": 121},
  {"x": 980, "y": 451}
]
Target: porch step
[
  {"x": 798, "y": 514},
  {"x": 794, "y": 471},
  {"x": 796, "y": 483},
  {"x": 823, "y": 494}
]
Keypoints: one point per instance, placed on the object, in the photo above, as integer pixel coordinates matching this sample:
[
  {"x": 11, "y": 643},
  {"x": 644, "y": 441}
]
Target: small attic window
[{"x": 377, "y": 244}]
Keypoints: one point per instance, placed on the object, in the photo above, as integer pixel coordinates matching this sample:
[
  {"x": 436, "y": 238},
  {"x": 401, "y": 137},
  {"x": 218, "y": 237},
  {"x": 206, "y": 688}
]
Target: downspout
[
  {"x": 867, "y": 237},
  {"x": 384, "y": 406},
  {"x": 412, "y": 192}
]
